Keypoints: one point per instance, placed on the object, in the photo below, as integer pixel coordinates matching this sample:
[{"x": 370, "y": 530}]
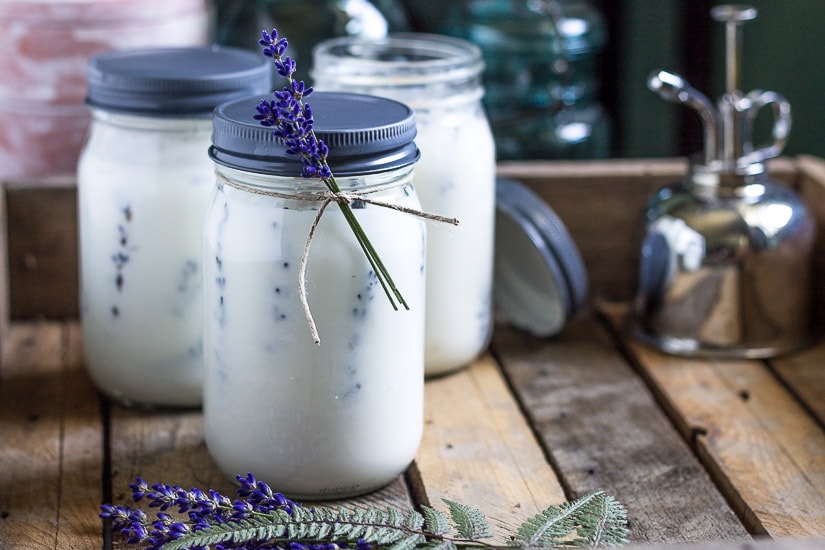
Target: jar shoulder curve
[{"x": 130, "y": 141}]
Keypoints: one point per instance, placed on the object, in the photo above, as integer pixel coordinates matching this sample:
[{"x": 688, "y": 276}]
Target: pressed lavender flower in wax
[{"x": 144, "y": 183}]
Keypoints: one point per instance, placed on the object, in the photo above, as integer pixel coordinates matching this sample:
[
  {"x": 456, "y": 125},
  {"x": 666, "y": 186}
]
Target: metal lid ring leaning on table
[{"x": 540, "y": 279}]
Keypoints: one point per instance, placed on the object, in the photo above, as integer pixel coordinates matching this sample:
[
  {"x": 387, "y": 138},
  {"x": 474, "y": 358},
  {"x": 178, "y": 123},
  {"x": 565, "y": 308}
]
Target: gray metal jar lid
[
  {"x": 184, "y": 81},
  {"x": 365, "y": 134},
  {"x": 540, "y": 279}
]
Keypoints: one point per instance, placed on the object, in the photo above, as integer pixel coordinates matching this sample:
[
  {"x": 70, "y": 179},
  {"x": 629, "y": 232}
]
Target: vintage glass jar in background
[
  {"x": 440, "y": 77},
  {"x": 239, "y": 24},
  {"x": 144, "y": 183},
  {"x": 346, "y": 416},
  {"x": 540, "y": 79}
]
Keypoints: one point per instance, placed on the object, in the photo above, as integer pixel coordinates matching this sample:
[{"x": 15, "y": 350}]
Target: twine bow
[{"x": 326, "y": 198}]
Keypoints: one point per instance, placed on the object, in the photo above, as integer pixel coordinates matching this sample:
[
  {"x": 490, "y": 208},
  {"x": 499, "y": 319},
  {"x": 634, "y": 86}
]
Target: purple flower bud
[
  {"x": 285, "y": 66},
  {"x": 139, "y": 489}
]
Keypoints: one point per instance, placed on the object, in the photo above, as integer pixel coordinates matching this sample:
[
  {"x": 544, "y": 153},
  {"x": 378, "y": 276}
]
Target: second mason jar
[
  {"x": 144, "y": 182},
  {"x": 440, "y": 77},
  {"x": 341, "y": 417}
]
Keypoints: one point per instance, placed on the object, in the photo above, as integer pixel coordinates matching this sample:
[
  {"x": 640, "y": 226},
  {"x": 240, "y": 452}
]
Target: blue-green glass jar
[{"x": 540, "y": 78}]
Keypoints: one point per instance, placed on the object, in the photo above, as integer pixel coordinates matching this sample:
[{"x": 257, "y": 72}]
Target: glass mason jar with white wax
[
  {"x": 440, "y": 77},
  {"x": 343, "y": 416},
  {"x": 144, "y": 183}
]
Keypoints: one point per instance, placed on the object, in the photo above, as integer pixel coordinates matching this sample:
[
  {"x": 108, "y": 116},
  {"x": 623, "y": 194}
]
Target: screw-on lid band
[
  {"x": 540, "y": 278},
  {"x": 188, "y": 81},
  {"x": 365, "y": 134}
]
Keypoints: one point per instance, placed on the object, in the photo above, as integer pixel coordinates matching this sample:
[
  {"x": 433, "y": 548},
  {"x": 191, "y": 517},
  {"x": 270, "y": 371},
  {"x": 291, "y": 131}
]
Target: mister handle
[{"x": 750, "y": 105}]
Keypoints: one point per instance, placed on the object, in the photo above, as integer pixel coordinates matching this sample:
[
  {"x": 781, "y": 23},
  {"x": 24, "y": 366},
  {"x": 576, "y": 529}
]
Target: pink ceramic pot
[{"x": 44, "y": 48}]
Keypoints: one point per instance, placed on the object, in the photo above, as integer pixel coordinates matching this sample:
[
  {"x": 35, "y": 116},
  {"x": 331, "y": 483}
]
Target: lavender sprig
[
  {"x": 291, "y": 120},
  {"x": 262, "y": 519},
  {"x": 203, "y": 511}
]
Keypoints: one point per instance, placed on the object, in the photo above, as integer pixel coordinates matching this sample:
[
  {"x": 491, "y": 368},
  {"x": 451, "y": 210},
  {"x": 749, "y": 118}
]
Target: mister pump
[{"x": 726, "y": 263}]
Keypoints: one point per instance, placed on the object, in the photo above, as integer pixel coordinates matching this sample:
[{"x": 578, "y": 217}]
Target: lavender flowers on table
[
  {"x": 203, "y": 509},
  {"x": 291, "y": 120},
  {"x": 262, "y": 519}
]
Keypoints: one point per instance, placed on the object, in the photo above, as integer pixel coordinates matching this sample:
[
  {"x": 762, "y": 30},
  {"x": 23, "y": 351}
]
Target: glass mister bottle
[{"x": 540, "y": 77}]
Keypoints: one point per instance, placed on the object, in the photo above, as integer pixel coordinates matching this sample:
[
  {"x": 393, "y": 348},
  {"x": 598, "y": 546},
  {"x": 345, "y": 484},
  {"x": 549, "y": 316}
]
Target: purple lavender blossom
[
  {"x": 202, "y": 510},
  {"x": 292, "y": 122},
  {"x": 289, "y": 117}
]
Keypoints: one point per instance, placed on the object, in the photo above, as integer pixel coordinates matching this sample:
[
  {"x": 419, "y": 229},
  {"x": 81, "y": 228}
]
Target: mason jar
[
  {"x": 343, "y": 416},
  {"x": 440, "y": 77},
  {"x": 144, "y": 183},
  {"x": 541, "y": 79}
]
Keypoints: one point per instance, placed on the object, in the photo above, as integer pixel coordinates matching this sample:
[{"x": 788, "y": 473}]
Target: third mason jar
[
  {"x": 440, "y": 77},
  {"x": 343, "y": 416}
]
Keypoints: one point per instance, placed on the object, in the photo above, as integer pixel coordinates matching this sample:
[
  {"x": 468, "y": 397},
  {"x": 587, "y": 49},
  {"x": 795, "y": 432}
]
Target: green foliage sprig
[{"x": 261, "y": 519}]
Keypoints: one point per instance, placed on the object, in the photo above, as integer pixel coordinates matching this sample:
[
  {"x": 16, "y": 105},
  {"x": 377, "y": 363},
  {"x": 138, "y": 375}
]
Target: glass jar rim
[{"x": 411, "y": 58}]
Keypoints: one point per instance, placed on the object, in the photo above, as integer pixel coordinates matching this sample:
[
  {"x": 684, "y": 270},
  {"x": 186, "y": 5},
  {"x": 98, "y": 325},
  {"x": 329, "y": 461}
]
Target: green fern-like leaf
[
  {"x": 274, "y": 527},
  {"x": 435, "y": 521},
  {"x": 407, "y": 543},
  {"x": 604, "y": 523},
  {"x": 470, "y": 522},
  {"x": 382, "y": 528},
  {"x": 439, "y": 545},
  {"x": 592, "y": 520},
  {"x": 413, "y": 521}
]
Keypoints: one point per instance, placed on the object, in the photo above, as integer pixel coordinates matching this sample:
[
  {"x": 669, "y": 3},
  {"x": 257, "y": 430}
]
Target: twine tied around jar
[{"x": 326, "y": 198}]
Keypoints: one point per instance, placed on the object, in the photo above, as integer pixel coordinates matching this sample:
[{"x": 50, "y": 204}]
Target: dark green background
[{"x": 783, "y": 51}]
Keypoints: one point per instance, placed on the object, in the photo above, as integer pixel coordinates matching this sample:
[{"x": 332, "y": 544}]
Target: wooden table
[
  {"x": 709, "y": 453},
  {"x": 696, "y": 450}
]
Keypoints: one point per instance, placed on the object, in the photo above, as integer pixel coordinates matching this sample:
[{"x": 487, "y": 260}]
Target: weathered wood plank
[
  {"x": 477, "y": 449},
  {"x": 5, "y": 298},
  {"x": 42, "y": 252},
  {"x": 761, "y": 543},
  {"x": 812, "y": 188},
  {"x": 601, "y": 202},
  {"x": 604, "y": 431},
  {"x": 81, "y": 465},
  {"x": 804, "y": 374},
  {"x": 762, "y": 447},
  {"x": 50, "y": 442},
  {"x": 167, "y": 446}
]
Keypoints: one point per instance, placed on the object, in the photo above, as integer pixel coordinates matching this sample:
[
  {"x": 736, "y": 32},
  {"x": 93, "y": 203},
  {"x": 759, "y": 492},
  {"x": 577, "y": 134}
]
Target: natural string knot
[{"x": 326, "y": 198}]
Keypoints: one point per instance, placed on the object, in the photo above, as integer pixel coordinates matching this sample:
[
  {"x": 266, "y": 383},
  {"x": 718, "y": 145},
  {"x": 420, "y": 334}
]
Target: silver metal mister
[{"x": 726, "y": 266}]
